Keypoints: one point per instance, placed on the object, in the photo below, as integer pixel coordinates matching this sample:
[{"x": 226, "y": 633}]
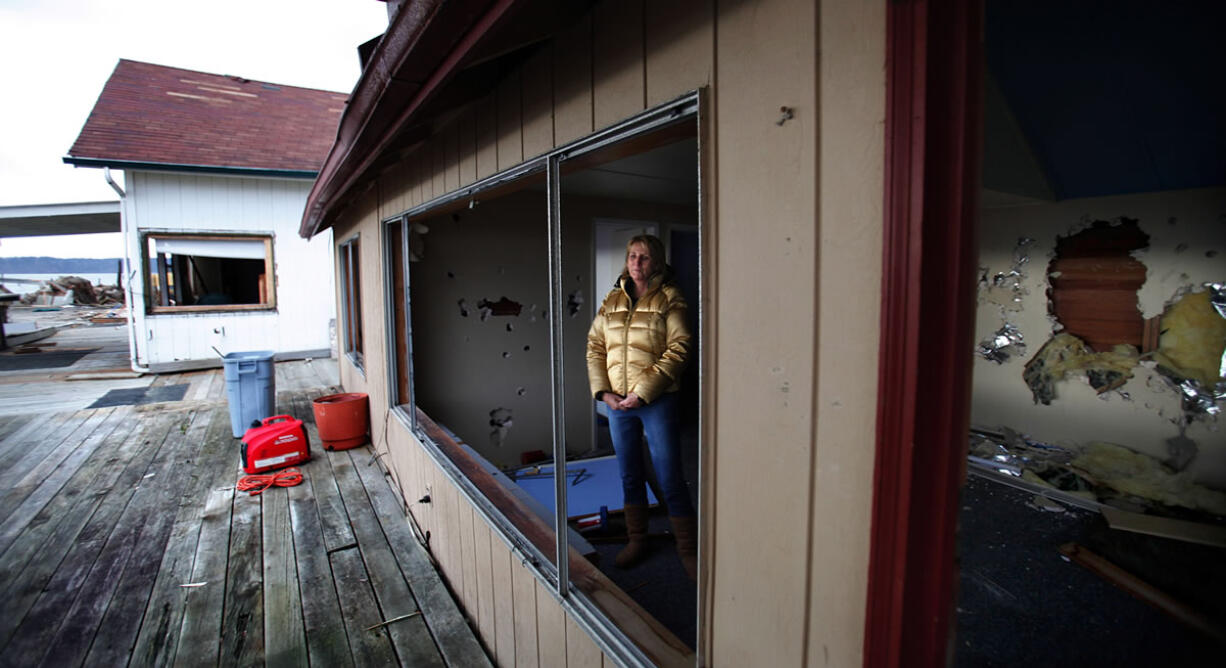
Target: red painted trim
[{"x": 933, "y": 63}]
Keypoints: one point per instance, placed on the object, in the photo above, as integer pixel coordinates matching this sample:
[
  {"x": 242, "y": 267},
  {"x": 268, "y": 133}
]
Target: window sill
[
  {"x": 222, "y": 308},
  {"x": 627, "y": 616},
  {"x": 357, "y": 361}
]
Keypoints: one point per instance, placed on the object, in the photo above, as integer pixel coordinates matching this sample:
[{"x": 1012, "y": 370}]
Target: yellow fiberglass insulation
[
  {"x": 1193, "y": 339},
  {"x": 1133, "y": 473},
  {"x": 1064, "y": 354}
]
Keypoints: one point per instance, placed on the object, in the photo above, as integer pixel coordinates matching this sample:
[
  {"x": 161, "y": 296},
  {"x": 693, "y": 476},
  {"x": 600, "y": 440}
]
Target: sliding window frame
[
  {"x": 352, "y": 338},
  {"x": 594, "y": 621}
]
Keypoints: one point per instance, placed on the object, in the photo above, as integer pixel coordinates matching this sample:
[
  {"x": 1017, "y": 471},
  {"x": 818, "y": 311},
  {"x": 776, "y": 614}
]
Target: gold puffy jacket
[{"x": 639, "y": 347}]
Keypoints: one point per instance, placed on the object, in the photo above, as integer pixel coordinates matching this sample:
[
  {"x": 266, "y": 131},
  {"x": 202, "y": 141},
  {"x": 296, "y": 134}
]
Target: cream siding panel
[
  {"x": 487, "y": 136},
  {"x": 538, "y": 102},
  {"x": 421, "y": 172},
  {"x": 450, "y": 159},
  {"x": 467, "y": 145},
  {"x": 767, "y": 53},
  {"x": 581, "y": 652},
  {"x": 510, "y": 122},
  {"x": 617, "y": 62},
  {"x": 487, "y": 620},
  {"x": 438, "y": 180},
  {"x": 195, "y": 203},
  {"x": 551, "y": 628},
  {"x": 572, "y": 88},
  {"x": 503, "y": 643},
  {"x": 852, "y": 150},
  {"x": 523, "y": 592},
  {"x": 462, "y": 548},
  {"x": 679, "y": 48}
]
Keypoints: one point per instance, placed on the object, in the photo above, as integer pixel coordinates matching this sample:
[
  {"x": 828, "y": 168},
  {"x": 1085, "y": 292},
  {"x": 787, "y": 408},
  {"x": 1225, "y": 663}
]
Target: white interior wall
[
  {"x": 465, "y": 368},
  {"x": 1187, "y": 236}
]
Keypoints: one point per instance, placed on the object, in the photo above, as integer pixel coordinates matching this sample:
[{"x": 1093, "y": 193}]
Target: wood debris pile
[{"x": 82, "y": 291}]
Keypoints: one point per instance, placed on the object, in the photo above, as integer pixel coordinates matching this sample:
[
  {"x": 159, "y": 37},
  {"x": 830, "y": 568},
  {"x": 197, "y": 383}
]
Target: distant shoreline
[{"x": 60, "y": 266}]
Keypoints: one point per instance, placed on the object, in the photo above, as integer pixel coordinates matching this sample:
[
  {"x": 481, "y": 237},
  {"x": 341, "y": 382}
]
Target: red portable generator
[{"x": 277, "y": 442}]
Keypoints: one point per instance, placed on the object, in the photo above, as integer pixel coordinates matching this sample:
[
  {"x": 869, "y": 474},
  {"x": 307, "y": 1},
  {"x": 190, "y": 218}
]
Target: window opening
[
  {"x": 351, "y": 301},
  {"x": 208, "y": 272},
  {"x": 631, "y": 473},
  {"x": 499, "y": 278},
  {"x": 1091, "y": 248}
]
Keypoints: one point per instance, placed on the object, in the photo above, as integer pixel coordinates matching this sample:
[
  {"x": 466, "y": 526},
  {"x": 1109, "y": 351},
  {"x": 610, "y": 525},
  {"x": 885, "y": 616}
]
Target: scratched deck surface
[{"x": 123, "y": 542}]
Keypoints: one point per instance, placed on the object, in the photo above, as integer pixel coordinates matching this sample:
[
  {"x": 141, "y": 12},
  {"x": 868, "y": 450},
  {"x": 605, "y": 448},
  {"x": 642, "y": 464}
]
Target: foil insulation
[{"x": 1005, "y": 344}]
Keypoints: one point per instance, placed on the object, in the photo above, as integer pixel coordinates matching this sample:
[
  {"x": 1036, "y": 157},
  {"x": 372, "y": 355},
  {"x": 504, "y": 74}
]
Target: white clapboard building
[{"x": 216, "y": 173}]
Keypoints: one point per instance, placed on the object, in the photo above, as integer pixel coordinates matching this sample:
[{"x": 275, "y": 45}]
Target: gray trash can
[{"x": 251, "y": 388}]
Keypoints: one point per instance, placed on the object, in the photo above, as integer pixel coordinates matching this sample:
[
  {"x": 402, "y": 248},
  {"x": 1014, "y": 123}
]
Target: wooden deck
[{"x": 124, "y": 542}]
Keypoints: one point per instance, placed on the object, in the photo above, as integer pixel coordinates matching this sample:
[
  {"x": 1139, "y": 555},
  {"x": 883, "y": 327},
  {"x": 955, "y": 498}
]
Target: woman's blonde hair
[{"x": 655, "y": 248}]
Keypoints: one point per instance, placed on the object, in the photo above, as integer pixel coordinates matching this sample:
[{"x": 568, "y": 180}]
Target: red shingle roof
[{"x": 167, "y": 116}]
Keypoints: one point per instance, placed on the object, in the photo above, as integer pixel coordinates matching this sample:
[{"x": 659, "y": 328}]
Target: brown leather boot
[
  {"x": 636, "y": 530},
  {"x": 685, "y": 530}
]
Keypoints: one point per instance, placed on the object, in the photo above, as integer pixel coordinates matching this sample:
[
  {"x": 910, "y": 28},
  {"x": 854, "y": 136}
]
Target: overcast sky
[{"x": 57, "y": 54}]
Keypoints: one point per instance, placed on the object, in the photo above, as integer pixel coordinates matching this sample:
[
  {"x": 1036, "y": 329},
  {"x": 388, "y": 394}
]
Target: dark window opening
[
  {"x": 202, "y": 273},
  {"x": 351, "y": 301},
  {"x": 490, "y": 315}
]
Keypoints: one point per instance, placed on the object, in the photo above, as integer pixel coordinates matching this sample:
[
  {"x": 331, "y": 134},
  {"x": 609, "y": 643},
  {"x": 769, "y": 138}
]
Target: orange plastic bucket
[{"x": 342, "y": 420}]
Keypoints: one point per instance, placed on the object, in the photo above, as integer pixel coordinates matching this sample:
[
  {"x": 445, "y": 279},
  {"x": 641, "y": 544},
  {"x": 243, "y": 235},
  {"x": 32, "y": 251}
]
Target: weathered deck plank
[
  {"x": 371, "y": 647},
  {"x": 285, "y": 642},
  {"x": 65, "y": 525},
  {"x": 22, "y": 502},
  {"x": 36, "y": 448},
  {"x": 327, "y": 642},
  {"x": 124, "y": 616},
  {"x": 157, "y": 640},
  {"x": 456, "y": 642},
  {"x": 206, "y": 595},
  {"x": 242, "y": 631},
  {"x": 134, "y": 502},
  {"x": 63, "y": 624},
  {"x": 411, "y": 637}
]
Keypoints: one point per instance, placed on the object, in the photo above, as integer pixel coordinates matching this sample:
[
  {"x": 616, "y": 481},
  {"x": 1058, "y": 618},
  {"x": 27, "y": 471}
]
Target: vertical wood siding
[
  {"x": 200, "y": 203},
  {"x": 799, "y": 202}
]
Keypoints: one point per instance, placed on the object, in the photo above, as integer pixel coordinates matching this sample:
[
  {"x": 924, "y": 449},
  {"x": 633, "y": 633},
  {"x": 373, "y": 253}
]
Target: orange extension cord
[{"x": 258, "y": 483}]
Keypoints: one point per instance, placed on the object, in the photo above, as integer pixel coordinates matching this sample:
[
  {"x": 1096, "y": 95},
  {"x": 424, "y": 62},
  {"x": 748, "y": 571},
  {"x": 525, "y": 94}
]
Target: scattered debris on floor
[{"x": 1102, "y": 473}]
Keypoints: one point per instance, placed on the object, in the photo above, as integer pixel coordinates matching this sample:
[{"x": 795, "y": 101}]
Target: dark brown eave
[
  {"x": 421, "y": 50},
  {"x": 435, "y": 55}
]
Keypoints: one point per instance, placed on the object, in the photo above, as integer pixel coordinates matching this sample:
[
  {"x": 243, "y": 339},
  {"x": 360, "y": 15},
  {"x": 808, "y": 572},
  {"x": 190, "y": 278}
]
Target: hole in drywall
[
  {"x": 510, "y": 327},
  {"x": 506, "y": 355},
  {"x": 1094, "y": 281},
  {"x": 574, "y": 303},
  {"x": 500, "y": 426},
  {"x": 527, "y": 348},
  {"x": 503, "y": 306},
  {"x": 463, "y": 304}
]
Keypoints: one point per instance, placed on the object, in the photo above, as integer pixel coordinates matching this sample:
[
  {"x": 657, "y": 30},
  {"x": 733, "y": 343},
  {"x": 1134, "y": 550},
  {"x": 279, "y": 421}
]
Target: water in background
[{"x": 24, "y": 287}]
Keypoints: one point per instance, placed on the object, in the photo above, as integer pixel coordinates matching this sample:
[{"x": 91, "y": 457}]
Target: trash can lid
[{"x": 256, "y": 355}]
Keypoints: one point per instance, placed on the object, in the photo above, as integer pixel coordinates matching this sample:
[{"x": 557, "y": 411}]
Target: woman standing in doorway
[{"x": 636, "y": 350}]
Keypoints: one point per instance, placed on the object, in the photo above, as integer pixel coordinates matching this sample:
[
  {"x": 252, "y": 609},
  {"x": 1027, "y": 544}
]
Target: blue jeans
[{"x": 659, "y": 420}]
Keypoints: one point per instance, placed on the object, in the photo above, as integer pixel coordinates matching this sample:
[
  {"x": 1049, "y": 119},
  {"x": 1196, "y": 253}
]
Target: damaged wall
[
  {"x": 486, "y": 375},
  {"x": 1186, "y": 233}
]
